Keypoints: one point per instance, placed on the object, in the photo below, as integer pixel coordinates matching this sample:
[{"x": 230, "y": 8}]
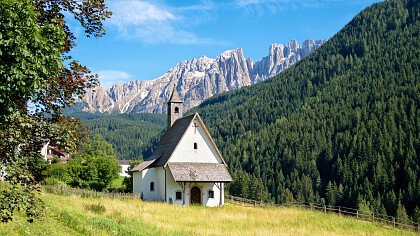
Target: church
[{"x": 186, "y": 167}]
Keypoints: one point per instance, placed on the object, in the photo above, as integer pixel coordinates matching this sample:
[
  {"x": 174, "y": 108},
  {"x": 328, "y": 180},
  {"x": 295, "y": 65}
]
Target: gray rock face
[{"x": 197, "y": 80}]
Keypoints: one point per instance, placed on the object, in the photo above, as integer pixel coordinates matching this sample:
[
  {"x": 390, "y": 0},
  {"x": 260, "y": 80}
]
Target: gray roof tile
[
  {"x": 199, "y": 172},
  {"x": 175, "y": 97},
  {"x": 166, "y": 145}
]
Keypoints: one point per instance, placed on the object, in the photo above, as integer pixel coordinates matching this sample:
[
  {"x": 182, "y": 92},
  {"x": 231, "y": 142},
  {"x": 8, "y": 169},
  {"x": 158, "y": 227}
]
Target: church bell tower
[{"x": 174, "y": 108}]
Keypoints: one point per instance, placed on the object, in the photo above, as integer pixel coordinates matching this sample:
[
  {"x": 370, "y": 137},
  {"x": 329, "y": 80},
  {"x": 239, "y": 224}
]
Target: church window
[
  {"x": 176, "y": 110},
  {"x": 211, "y": 194},
  {"x": 195, "y": 146},
  {"x": 152, "y": 186},
  {"x": 178, "y": 195}
]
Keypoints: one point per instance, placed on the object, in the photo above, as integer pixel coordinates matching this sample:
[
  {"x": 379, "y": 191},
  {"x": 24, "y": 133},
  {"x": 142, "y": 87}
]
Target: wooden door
[{"x": 195, "y": 195}]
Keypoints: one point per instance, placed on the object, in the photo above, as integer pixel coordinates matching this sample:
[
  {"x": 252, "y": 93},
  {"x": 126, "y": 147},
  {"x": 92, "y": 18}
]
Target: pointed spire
[{"x": 175, "y": 97}]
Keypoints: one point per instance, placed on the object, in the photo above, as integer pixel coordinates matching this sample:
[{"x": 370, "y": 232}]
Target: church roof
[
  {"x": 199, "y": 172},
  {"x": 175, "y": 97},
  {"x": 169, "y": 142}
]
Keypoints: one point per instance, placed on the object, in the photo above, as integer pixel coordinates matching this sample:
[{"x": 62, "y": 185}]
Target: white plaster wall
[
  {"x": 147, "y": 176},
  {"x": 141, "y": 184},
  {"x": 44, "y": 151},
  {"x": 124, "y": 169},
  {"x": 205, "y": 192},
  {"x": 137, "y": 182},
  {"x": 185, "y": 151},
  {"x": 173, "y": 187}
]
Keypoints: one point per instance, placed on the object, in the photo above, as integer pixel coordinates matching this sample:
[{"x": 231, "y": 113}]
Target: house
[
  {"x": 50, "y": 151},
  {"x": 186, "y": 167},
  {"x": 124, "y": 164}
]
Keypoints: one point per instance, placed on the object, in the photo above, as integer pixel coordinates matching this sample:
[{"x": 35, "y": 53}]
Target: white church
[{"x": 186, "y": 167}]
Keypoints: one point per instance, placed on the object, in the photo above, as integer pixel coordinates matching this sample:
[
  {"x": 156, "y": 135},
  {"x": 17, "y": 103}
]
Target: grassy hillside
[
  {"x": 342, "y": 126},
  {"x": 73, "y": 215}
]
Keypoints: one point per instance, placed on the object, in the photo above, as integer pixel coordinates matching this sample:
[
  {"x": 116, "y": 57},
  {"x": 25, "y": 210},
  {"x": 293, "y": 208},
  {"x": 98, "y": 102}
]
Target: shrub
[{"x": 95, "y": 208}]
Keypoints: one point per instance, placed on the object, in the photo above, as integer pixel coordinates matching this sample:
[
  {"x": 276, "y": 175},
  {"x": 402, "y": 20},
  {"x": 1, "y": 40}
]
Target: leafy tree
[
  {"x": 34, "y": 40},
  {"x": 94, "y": 166}
]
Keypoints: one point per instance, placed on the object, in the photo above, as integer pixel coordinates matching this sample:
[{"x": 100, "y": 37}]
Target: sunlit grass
[{"x": 71, "y": 215}]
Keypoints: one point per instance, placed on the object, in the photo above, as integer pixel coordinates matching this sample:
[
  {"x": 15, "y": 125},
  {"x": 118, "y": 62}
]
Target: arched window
[
  {"x": 152, "y": 186},
  {"x": 195, "y": 146},
  {"x": 176, "y": 110}
]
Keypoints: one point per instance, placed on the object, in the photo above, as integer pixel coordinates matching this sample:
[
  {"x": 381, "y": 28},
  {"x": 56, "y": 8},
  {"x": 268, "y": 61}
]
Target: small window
[
  {"x": 195, "y": 146},
  {"x": 178, "y": 195},
  {"x": 211, "y": 194},
  {"x": 176, "y": 110},
  {"x": 152, "y": 186}
]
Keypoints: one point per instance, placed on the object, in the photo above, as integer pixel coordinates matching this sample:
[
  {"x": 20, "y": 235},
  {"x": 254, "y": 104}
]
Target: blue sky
[{"x": 146, "y": 38}]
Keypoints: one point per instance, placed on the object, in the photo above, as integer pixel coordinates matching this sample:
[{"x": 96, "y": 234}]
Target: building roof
[
  {"x": 123, "y": 162},
  {"x": 175, "y": 97},
  {"x": 199, "y": 172},
  {"x": 142, "y": 166},
  {"x": 169, "y": 142}
]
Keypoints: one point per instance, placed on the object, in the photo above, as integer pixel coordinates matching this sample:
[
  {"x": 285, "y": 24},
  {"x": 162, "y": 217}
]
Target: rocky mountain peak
[{"x": 197, "y": 79}]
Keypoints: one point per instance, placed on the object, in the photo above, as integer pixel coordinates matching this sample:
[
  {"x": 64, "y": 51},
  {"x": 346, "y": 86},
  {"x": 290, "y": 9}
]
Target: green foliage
[
  {"x": 95, "y": 147},
  {"x": 15, "y": 197},
  {"x": 342, "y": 124},
  {"x": 133, "y": 136},
  {"x": 33, "y": 39},
  {"x": 58, "y": 171},
  {"x": 30, "y": 53},
  {"x": 93, "y": 167},
  {"x": 402, "y": 214}
]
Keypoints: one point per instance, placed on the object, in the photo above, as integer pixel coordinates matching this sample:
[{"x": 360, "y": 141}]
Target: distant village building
[
  {"x": 186, "y": 167},
  {"x": 49, "y": 152},
  {"x": 124, "y": 164}
]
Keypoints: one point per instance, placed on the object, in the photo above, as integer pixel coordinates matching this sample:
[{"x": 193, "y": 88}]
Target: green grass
[{"x": 73, "y": 215}]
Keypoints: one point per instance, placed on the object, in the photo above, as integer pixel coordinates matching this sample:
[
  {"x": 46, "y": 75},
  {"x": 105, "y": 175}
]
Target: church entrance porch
[{"x": 195, "y": 195}]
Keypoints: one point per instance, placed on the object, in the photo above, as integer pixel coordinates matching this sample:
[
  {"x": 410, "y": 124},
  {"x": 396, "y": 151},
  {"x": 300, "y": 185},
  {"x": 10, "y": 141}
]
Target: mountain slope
[
  {"x": 132, "y": 136},
  {"x": 342, "y": 126},
  {"x": 197, "y": 79}
]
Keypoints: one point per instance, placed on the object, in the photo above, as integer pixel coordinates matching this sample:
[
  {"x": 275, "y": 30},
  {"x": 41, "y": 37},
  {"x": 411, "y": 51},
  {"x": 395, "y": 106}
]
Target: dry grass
[{"x": 68, "y": 215}]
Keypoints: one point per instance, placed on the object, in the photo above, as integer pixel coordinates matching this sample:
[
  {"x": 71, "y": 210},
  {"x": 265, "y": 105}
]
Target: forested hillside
[
  {"x": 341, "y": 126},
  {"x": 132, "y": 136}
]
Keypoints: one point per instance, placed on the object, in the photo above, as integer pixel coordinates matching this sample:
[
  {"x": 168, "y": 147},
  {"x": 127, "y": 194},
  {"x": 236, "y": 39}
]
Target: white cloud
[
  {"x": 134, "y": 12},
  {"x": 108, "y": 78},
  {"x": 155, "y": 24}
]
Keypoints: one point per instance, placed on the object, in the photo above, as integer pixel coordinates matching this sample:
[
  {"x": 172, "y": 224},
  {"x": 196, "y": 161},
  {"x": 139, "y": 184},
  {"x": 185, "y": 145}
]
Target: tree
[
  {"x": 34, "y": 42},
  {"x": 402, "y": 213},
  {"x": 94, "y": 166}
]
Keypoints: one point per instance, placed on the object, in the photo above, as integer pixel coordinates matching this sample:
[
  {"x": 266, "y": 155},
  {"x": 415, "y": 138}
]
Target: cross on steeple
[{"x": 195, "y": 126}]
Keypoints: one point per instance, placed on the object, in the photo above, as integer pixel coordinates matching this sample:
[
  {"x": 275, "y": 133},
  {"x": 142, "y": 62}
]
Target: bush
[{"x": 95, "y": 208}]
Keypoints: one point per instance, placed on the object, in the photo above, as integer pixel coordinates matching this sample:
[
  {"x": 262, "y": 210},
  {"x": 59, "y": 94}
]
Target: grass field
[{"x": 74, "y": 215}]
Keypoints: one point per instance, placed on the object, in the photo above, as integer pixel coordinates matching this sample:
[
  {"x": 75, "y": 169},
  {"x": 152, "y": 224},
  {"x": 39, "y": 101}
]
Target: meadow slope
[{"x": 73, "y": 215}]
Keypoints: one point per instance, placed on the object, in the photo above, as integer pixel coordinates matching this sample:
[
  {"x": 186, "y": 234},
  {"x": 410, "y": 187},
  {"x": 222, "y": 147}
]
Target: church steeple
[{"x": 174, "y": 108}]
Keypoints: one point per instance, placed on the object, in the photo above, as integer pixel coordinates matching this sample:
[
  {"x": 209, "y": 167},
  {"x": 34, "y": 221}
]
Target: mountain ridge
[{"x": 197, "y": 79}]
